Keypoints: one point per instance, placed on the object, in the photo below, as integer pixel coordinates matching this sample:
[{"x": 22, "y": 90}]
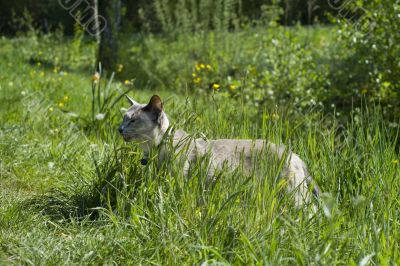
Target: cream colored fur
[{"x": 150, "y": 125}]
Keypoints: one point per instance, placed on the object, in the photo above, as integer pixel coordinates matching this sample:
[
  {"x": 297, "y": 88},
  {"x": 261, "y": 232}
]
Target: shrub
[
  {"x": 258, "y": 66},
  {"x": 373, "y": 37}
]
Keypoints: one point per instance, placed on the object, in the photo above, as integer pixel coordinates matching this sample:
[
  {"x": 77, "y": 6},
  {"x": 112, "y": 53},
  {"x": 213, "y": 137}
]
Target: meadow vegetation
[{"x": 72, "y": 192}]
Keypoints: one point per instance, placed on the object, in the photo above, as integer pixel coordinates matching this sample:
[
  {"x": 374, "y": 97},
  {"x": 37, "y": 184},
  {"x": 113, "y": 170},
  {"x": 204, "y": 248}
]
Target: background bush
[
  {"x": 374, "y": 44},
  {"x": 48, "y": 14},
  {"x": 248, "y": 53}
]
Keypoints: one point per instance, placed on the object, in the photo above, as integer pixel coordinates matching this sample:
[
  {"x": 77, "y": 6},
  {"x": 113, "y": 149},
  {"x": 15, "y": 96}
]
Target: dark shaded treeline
[{"x": 49, "y": 14}]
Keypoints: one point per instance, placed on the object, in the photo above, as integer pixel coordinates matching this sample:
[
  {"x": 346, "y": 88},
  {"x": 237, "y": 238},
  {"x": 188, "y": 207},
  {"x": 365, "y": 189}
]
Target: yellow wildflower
[
  {"x": 216, "y": 86},
  {"x": 41, "y": 74},
  {"x": 66, "y": 98},
  {"x": 51, "y": 109},
  {"x": 395, "y": 162},
  {"x": 127, "y": 82},
  {"x": 197, "y": 80},
  {"x": 61, "y": 104},
  {"x": 232, "y": 87},
  {"x": 202, "y": 66},
  {"x": 197, "y": 66},
  {"x": 96, "y": 77},
  {"x": 209, "y": 67},
  {"x": 194, "y": 75}
]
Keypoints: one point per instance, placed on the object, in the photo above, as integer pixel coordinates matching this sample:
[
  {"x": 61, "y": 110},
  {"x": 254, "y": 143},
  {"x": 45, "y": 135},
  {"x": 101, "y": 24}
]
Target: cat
[{"x": 149, "y": 125}]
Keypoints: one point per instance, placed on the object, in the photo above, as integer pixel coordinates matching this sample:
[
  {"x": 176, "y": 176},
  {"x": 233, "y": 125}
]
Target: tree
[{"x": 110, "y": 10}]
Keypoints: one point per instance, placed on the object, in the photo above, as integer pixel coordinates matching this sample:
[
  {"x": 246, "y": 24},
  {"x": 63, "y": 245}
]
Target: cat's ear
[
  {"x": 131, "y": 101},
  {"x": 155, "y": 106}
]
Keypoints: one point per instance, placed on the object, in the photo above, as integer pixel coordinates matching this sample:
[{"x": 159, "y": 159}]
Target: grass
[{"x": 72, "y": 192}]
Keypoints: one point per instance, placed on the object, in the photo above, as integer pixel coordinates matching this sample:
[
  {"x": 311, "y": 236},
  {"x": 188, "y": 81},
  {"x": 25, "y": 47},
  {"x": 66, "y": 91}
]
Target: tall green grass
[{"x": 72, "y": 192}]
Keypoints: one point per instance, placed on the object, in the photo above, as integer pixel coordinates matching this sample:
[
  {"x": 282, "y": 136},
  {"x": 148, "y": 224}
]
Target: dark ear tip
[
  {"x": 155, "y": 98},
  {"x": 156, "y": 102},
  {"x": 155, "y": 105}
]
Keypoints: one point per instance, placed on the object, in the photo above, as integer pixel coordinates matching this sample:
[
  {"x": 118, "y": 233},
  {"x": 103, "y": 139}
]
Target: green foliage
[
  {"x": 274, "y": 65},
  {"x": 190, "y": 15},
  {"x": 104, "y": 98},
  {"x": 373, "y": 37},
  {"x": 170, "y": 15},
  {"x": 76, "y": 41},
  {"x": 47, "y": 15},
  {"x": 72, "y": 192},
  {"x": 24, "y": 24}
]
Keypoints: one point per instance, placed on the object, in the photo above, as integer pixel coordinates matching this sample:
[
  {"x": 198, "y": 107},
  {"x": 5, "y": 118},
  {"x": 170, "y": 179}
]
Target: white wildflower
[
  {"x": 100, "y": 116},
  {"x": 51, "y": 165}
]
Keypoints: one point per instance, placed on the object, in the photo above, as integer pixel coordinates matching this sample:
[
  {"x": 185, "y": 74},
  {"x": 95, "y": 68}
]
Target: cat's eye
[{"x": 132, "y": 121}]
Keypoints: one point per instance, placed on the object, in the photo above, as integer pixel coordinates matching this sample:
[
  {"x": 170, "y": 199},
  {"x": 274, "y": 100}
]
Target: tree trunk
[
  {"x": 108, "y": 46},
  {"x": 96, "y": 20},
  {"x": 310, "y": 9}
]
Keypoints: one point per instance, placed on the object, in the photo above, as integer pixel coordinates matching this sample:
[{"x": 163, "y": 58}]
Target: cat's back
[{"x": 245, "y": 146}]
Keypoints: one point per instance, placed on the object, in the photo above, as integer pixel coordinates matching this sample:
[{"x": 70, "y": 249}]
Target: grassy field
[{"x": 72, "y": 192}]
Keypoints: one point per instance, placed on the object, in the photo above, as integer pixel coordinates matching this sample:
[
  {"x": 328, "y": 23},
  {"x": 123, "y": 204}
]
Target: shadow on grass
[
  {"x": 47, "y": 64},
  {"x": 50, "y": 65},
  {"x": 59, "y": 206},
  {"x": 111, "y": 184}
]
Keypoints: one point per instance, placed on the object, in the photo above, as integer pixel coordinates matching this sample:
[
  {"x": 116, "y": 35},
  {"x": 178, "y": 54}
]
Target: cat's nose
[{"x": 121, "y": 129}]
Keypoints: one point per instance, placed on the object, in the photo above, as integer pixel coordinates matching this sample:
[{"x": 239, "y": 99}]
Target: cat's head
[{"x": 144, "y": 122}]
